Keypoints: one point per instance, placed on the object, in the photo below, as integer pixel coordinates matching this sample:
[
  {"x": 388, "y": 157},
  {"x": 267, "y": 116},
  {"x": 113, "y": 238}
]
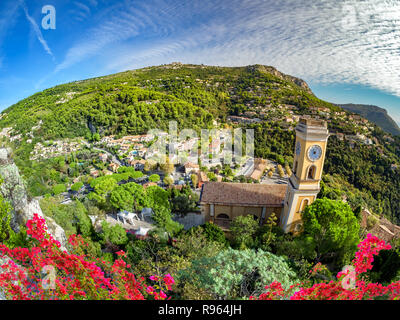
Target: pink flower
[{"x": 169, "y": 280}]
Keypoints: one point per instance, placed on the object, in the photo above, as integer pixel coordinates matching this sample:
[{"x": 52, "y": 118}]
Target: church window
[
  {"x": 304, "y": 204},
  {"x": 223, "y": 216},
  {"x": 312, "y": 172}
]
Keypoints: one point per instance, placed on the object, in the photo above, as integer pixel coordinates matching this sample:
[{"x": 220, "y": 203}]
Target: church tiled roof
[{"x": 243, "y": 194}]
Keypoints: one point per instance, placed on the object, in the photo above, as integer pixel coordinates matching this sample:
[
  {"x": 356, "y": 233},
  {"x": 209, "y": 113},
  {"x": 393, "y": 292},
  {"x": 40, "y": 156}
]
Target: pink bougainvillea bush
[
  {"x": 351, "y": 284},
  {"x": 45, "y": 272}
]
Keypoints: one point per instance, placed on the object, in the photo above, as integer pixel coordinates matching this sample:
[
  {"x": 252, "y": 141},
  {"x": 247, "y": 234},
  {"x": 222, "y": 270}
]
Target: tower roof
[
  {"x": 312, "y": 129},
  {"x": 313, "y": 122}
]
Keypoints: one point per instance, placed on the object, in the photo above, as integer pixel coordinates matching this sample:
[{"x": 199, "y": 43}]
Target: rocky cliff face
[
  {"x": 268, "y": 69},
  {"x": 14, "y": 190}
]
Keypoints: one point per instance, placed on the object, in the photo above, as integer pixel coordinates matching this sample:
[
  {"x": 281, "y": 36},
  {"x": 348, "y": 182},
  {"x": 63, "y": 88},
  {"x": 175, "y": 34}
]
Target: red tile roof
[{"x": 243, "y": 194}]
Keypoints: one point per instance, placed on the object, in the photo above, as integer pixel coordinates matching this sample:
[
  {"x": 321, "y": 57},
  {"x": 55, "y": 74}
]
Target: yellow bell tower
[{"x": 304, "y": 184}]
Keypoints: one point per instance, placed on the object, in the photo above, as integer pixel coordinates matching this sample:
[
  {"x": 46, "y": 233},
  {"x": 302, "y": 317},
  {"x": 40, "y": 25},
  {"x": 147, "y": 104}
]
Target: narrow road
[{"x": 114, "y": 158}]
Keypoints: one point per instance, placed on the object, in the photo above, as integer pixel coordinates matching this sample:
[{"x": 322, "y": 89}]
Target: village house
[
  {"x": 189, "y": 145},
  {"x": 114, "y": 167},
  {"x": 5, "y": 132},
  {"x": 138, "y": 164},
  {"x": 103, "y": 157},
  {"x": 94, "y": 173},
  {"x": 124, "y": 147},
  {"x": 223, "y": 201},
  {"x": 202, "y": 178},
  {"x": 149, "y": 184},
  {"x": 340, "y": 136},
  {"x": 191, "y": 168},
  {"x": 142, "y": 152},
  {"x": 242, "y": 119},
  {"x": 215, "y": 146},
  {"x": 383, "y": 228},
  {"x": 259, "y": 167}
]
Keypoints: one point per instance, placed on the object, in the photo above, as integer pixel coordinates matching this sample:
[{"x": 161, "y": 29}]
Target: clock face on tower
[
  {"x": 298, "y": 148},
  {"x": 314, "y": 152}
]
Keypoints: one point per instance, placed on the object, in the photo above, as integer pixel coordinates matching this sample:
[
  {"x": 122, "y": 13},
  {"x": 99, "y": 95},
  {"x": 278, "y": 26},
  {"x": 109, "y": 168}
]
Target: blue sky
[{"x": 348, "y": 51}]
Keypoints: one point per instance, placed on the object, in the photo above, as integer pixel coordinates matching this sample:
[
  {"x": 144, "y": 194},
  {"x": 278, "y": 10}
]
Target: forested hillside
[
  {"x": 134, "y": 101},
  {"x": 260, "y": 97},
  {"x": 377, "y": 115}
]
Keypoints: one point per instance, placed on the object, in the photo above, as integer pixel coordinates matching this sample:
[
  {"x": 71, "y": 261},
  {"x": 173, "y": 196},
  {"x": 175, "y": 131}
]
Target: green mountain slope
[
  {"x": 375, "y": 114},
  {"x": 135, "y": 101}
]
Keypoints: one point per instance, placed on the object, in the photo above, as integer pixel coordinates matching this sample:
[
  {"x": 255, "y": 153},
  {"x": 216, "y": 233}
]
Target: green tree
[
  {"x": 167, "y": 166},
  {"x": 77, "y": 186},
  {"x": 195, "y": 180},
  {"x": 243, "y": 229},
  {"x": 103, "y": 187},
  {"x": 233, "y": 274},
  {"x": 332, "y": 228},
  {"x": 266, "y": 234},
  {"x": 136, "y": 175},
  {"x": 59, "y": 188},
  {"x": 214, "y": 233},
  {"x": 122, "y": 199},
  {"x": 154, "y": 178},
  {"x": 96, "y": 137},
  {"x": 129, "y": 196},
  {"x": 113, "y": 234},
  {"x": 168, "y": 180},
  {"x": 5, "y": 218},
  {"x": 83, "y": 222}
]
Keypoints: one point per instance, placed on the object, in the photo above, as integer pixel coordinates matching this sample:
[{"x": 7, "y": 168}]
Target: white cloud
[
  {"x": 326, "y": 41},
  {"x": 37, "y": 31}
]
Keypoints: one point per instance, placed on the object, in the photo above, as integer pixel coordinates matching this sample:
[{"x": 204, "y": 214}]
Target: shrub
[
  {"x": 351, "y": 284},
  {"x": 71, "y": 275},
  {"x": 154, "y": 178},
  {"x": 59, "y": 188},
  {"x": 214, "y": 233},
  {"x": 113, "y": 234},
  {"x": 372, "y": 220},
  {"x": 233, "y": 274},
  {"x": 168, "y": 180},
  {"x": 243, "y": 229},
  {"x": 77, "y": 186},
  {"x": 84, "y": 224},
  {"x": 5, "y": 218}
]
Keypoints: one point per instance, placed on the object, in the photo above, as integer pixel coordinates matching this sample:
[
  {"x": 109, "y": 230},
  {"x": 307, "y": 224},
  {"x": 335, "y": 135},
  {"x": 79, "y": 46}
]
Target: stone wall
[{"x": 190, "y": 220}]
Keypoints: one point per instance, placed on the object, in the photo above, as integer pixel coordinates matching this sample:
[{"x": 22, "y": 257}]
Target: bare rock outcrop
[{"x": 14, "y": 190}]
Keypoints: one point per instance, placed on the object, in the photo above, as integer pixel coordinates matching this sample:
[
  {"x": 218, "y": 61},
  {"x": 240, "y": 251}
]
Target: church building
[{"x": 221, "y": 202}]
